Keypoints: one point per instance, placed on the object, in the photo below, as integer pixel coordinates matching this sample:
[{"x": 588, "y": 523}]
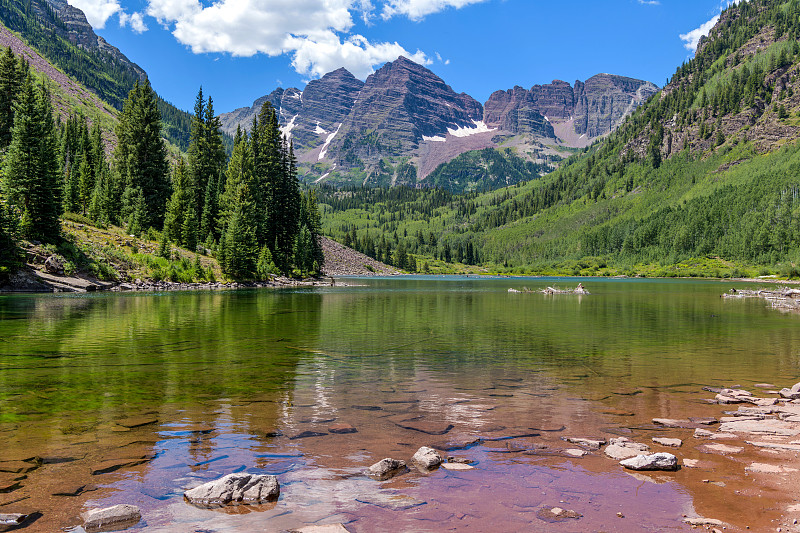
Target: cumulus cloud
[
  {"x": 692, "y": 38},
  {"x": 315, "y": 33},
  {"x": 97, "y": 11},
  {"x": 134, "y": 20},
  {"x": 419, "y": 9}
]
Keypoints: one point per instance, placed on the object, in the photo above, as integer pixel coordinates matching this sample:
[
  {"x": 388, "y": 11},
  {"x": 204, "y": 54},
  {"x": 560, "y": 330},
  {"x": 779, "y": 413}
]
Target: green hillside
[{"x": 703, "y": 179}]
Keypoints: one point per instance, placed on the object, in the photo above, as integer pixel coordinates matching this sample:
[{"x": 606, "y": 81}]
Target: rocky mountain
[
  {"x": 79, "y": 32},
  {"x": 575, "y": 115},
  {"x": 404, "y": 121}
]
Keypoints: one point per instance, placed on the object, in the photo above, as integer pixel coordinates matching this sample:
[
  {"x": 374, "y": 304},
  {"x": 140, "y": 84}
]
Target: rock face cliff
[
  {"x": 399, "y": 106},
  {"x": 404, "y": 121},
  {"x": 78, "y": 31},
  {"x": 593, "y": 108}
]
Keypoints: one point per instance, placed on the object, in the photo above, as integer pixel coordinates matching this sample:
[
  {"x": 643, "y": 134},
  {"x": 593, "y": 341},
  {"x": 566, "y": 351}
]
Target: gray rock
[
  {"x": 623, "y": 448},
  {"x": 796, "y": 387},
  {"x": 593, "y": 443},
  {"x": 242, "y": 487},
  {"x": 700, "y": 521},
  {"x": 387, "y": 468},
  {"x": 111, "y": 518},
  {"x": 790, "y": 394},
  {"x": 762, "y": 427},
  {"x": 654, "y": 461},
  {"x": 427, "y": 458},
  {"x": 54, "y": 264}
]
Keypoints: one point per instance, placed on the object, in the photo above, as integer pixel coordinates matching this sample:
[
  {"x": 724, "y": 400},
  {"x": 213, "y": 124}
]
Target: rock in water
[
  {"x": 242, "y": 487},
  {"x": 654, "y": 461},
  {"x": 111, "y": 518},
  {"x": 386, "y": 468},
  {"x": 427, "y": 458}
]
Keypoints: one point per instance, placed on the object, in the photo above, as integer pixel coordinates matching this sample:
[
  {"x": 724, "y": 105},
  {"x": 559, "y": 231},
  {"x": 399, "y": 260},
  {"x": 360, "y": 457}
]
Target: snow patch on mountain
[{"x": 464, "y": 131}]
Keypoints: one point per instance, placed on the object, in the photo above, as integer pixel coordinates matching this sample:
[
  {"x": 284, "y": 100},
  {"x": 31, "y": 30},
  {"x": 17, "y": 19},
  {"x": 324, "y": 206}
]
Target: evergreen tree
[
  {"x": 240, "y": 172},
  {"x": 180, "y": 222},
  {"x": 141, "y": 156},
  {"x": 10, "y": 83},
  {"x": 32, "y": 181},
  {"x": 311, "y": 219},
  {"x": 239, "y": 240},
  {"x": 8, "y": 235},
  {"x": 206, "y": 158}
]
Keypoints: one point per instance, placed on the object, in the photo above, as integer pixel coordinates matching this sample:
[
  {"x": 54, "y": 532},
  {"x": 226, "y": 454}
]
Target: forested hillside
[
  {"x": 706, "y": 173},
  {"x": 104, "y": 73}
]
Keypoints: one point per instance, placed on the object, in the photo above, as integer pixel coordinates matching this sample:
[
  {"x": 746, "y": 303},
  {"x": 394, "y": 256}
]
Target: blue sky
[{"x": 239, "y": 50}]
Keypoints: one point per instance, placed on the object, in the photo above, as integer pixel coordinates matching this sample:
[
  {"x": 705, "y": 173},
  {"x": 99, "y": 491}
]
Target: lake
[{"x": 133, "y": 398}]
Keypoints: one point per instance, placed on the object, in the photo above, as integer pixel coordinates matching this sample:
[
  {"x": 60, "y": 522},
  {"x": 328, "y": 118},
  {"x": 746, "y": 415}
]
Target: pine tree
[
  {"x": 240, "y": 172},
  {"x": 141, "y": 156},
  {"x": 206, "y": 158},
  {"x": 311, "y": 219}
]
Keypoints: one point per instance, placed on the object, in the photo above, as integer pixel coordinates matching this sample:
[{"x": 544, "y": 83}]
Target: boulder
[
  {"x": 795, "y": 387},
  {"x": 427, "y": 458},
  {"x": 54, "y": 264},
  {"x": 386, "y": 468},
  {"x": 654, "y": 461},
  {"x": 111, "y": 518},
  {"x": 235, "y": 488},
  {"x": 623, "y": 448},
  {"x": 790, "y": 394}
]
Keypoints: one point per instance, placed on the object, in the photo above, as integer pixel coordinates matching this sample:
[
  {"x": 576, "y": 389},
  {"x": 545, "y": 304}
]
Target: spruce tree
[
  {"x": 8, "y": 236},
  {"x": 177, "y": 220},
  {"x": 141, "y": 156},
  {"x": 10, "y": 83},
  {"x": 239, "y": 240},
  {"x": 206, "y": 158},
  {"x": 32, "y": 180}
]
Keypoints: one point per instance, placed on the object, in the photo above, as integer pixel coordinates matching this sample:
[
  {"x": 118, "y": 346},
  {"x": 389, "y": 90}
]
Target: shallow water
[{"x": 170, "y": 390}]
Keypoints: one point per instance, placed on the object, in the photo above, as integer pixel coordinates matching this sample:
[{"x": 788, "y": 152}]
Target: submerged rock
[
  {"x": 593, "y": 443},
  {"x": 700, "y": 521},
  {"x": 111, "y": 518},
  {"x": 427, "y": 458},
  {"x": 655, "y": 461},
  {"x": 327, "y": 528},
  {"x": 386, "y": 469},
  {"x": 664, "y": 441},
  {"x": 11, "y": 520},
  {"x": 457, "y": 466},
  {"x": 557, "y": 514},
  {"x": 342, "y": 429},
  {"x": 235, "y": 488}
]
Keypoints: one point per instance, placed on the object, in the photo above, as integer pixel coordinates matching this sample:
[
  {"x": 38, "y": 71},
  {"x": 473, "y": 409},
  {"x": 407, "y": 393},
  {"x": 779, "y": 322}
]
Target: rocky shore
[
  {"x": 781, "y": 298},
  {"x": 45, "y": 274}
]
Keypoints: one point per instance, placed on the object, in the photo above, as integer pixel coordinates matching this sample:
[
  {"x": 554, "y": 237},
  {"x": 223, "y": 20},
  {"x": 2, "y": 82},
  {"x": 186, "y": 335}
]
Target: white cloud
[
  {"x": 650, "y": 2},
  {"x": 97, "y": 11},
  {"x": 316, "y": 33},
  {"x": 326, "y": 52},
  {"x": 693, "y": 37},
  {"x": 419, "y": 9},
  {"x": 134, "y": 20}
]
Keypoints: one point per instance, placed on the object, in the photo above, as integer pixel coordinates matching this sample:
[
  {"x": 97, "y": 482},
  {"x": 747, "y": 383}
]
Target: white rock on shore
[
  {"x": 244, "y": 488},
  {"x": 655, "y": 461},
  {"x": 118, "y": 515}
]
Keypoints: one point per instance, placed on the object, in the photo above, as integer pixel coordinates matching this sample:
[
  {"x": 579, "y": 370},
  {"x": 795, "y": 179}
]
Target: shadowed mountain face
[{"x": 403, "y": 114}]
